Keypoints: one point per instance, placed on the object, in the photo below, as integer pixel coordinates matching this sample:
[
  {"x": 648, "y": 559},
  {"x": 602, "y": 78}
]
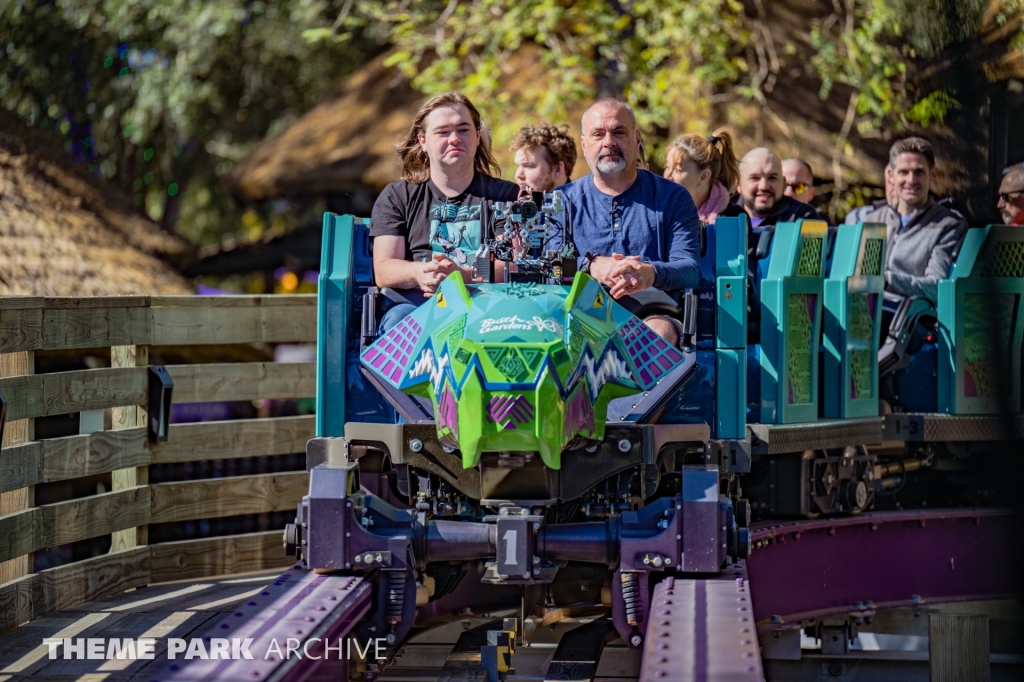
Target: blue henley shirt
[{"x": 655, "y": 219}]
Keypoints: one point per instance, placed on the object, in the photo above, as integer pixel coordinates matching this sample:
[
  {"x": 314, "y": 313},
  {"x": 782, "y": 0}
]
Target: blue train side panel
[
  {"x": 716, "y": 394},
  {"x": 346, "y": 272},
  {"x": 852, "y": 321},
  {"x": 791, "y": 304},
  {"x": 981, "y": 324},
  {"x": 730, "y": 327}
]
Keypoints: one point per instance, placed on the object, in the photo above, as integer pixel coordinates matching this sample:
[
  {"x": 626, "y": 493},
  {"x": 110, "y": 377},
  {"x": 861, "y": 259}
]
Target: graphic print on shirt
[{"x": 455, "y": 231}]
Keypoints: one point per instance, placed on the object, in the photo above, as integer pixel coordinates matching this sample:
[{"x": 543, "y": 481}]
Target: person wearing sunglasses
[
  {"x": 1011, "y": 195},
  {"x": 799, "y": 180}
]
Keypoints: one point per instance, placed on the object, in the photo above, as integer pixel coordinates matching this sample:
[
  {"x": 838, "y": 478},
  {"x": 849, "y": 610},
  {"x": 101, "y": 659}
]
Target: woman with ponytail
[{"x": 707, "y": 168}]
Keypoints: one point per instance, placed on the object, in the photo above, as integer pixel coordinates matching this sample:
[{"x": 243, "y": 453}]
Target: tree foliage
[
  {"x": 671, "y": 59},
  {"x": 162, "y": 96},
  {"x": 657, "y": 54}
]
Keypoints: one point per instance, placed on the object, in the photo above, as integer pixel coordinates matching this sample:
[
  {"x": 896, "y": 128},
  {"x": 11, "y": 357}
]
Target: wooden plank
[
  {"x": 80, "y": 302},
  {"x": 284, "y": 300},
  {"x": 60, "y": 459},
  {"x": 55, "y": 524},
  {"x": 219, "y": 497},
  {"x": 20, "y": 302},
  {"x": 241, "y": 324},
  {"x": 231, "y": 439},
  {"x": 21, "y": 533},
  {"x": 89, "y": 517},
  {"x": 95, "y": 453},
  {"x": 91, "y": 327},
  {"x": 17, "y": 431},
  {"x": 21, "y": 329},
  {"x": 21, "y": 600},
  {"x": 129, "y": 417},
  {"x": 43, "y": 395},
  {"x": 95, "y": 578},
  {"x": 242, "y": 381},
  {"x": 190, "y": 559},
  {"x": 21, "y": 466},
  {"x": 958, "y": 647}
]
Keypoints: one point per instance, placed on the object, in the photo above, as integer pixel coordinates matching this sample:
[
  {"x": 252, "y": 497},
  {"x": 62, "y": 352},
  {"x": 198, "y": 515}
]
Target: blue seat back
[{"x": 853, "y": 320}]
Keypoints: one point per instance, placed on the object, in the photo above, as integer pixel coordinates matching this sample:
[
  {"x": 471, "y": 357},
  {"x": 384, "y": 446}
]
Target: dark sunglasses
[
  {"x": 799, "y": 187},
  {"x": 1006, "y": 196}
]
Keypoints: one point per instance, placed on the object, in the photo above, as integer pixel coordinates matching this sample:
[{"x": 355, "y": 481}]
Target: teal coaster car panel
[
  {"x": 981, "y": 324},
  {"x": 852, "y": 322},
  {"x": 730, "y": 235},
  {"x": 334, "y": 301},
  {"x": 520, "y": 367},
  {"x": 791, "y": 303}
]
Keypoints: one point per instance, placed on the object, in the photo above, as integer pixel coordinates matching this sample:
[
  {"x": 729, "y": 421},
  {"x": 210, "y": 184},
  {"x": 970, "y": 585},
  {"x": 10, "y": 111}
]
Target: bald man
[
  {"x": 639, "y": 232},
  {"x": 799, "y": 180},
  {"x": 761, "y": 189}
]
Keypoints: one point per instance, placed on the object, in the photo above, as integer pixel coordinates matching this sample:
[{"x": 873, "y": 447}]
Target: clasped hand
[
  {"x": 623, "y": 275},
  {"x": 436, "y": 269}
]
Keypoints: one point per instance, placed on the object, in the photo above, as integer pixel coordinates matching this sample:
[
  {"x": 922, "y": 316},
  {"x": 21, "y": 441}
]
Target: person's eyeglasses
[
  {"x": 1006, "y": 196},
  {"x": 798, "y": 187}
]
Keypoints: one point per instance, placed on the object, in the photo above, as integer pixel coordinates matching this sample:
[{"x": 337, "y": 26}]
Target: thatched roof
[
  {"x": 344, "y": 142},
  {"x": 64, "y": 232}
]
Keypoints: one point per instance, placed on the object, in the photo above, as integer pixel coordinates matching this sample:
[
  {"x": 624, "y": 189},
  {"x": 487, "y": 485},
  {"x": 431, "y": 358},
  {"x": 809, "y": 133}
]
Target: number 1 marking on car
[{"x": 510, "y": 546}]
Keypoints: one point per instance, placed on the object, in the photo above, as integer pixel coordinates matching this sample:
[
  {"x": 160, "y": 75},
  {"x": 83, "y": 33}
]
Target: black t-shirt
[{"x": 431, "y": 222}]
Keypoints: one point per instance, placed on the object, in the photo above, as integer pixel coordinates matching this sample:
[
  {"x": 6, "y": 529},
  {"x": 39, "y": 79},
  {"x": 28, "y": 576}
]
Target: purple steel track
[
  {"x": 702, "y": 631},
  {"x": 802, "y": 570},
  {"x": 298, "y": 605}
]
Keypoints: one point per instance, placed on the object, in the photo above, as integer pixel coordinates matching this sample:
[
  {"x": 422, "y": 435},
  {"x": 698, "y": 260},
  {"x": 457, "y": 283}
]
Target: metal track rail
[
  {"x": 849, "y": 566},
  {"x": 301, "y": 606},
  {"x": 702, "y": 630}
]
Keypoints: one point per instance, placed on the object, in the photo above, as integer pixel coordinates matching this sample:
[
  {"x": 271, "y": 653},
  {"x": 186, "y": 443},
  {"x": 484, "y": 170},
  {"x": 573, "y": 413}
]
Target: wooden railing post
[
  {"x": 126, "y": 417},
  {"x": 16, "y": 432}
]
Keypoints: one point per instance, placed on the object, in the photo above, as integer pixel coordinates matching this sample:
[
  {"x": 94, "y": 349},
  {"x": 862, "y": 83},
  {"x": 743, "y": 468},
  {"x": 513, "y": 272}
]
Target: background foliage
[{"x": 163, "y": 96}]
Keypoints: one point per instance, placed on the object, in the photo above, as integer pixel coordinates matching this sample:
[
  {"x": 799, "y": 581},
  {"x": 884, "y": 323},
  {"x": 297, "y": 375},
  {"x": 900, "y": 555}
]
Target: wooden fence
[{"x": 129, "y": 325}]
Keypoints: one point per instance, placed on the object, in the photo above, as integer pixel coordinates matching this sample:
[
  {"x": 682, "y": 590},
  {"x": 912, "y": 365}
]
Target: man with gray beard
[{"x": 637, "y": 231}]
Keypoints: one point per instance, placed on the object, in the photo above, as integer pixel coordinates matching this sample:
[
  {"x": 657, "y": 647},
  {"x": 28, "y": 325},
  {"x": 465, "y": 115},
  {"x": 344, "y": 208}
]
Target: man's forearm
[
  {"x": 912, "y": 285},
  {"x": 675, "y": 275},
  {"x": 396, "y": 274}
]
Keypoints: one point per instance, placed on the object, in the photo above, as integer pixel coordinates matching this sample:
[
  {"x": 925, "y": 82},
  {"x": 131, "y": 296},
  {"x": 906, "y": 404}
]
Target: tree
[
  {"x": 658, "y": 55},
  {"x": 673, "y": 60},
  {"x": 162, "y": 96}
]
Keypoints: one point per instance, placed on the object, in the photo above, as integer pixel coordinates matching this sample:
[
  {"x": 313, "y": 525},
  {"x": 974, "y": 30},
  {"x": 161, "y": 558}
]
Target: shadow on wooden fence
[{"x": 129, "y": 326}]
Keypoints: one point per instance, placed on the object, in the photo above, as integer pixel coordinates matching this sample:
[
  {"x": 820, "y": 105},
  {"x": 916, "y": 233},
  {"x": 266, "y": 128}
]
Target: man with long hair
[{"x": 428, "y": 225}]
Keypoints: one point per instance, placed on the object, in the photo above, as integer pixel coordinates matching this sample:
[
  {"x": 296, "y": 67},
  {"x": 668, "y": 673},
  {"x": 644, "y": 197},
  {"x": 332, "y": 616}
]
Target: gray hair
[
  {"x": 1017, "y": 168},
  {"x": 607, "y": 100}
]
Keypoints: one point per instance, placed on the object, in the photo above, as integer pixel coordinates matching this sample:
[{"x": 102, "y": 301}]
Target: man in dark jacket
[
  {"x": 922, "y": 233},
  {"x": 761, "y": 186}
]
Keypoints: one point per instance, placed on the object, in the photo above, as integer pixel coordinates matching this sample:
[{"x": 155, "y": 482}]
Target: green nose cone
[{"x": 520, "y": 367}]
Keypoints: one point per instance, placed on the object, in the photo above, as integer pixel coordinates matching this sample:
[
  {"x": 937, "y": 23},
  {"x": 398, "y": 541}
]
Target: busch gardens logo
[{"x": 516, "y": 323}]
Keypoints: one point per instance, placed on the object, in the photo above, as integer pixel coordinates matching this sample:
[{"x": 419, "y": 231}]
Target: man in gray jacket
[{"x": 922, "y": 233}]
